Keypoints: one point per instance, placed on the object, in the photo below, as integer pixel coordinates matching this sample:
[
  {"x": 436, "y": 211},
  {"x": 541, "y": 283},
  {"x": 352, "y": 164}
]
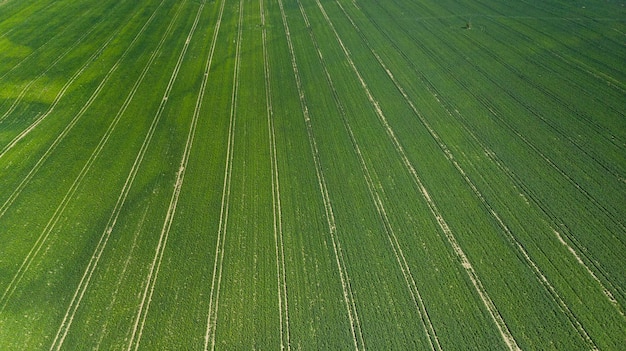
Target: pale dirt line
[
  {"x": 433, "y": 339},
  {"x": 65, "y": 131},
  {"x": 199, "y": 106},
  {"x": 121, "y": 278},
  {"x": 58, "y": 97},
  {"x": 541, "y": 277},
  {"x": 589, "y": 197},
  {"x": 43, "y": 237},
  {"x": 488, "y": 303},
  {"x": 81, "y": 289},
  {"x": 573, "y": 251},
  {"x": 401, "y": 259},
  {"x": 608, "y": 294},
  {"x": 276, "y": 208},
  {"x": 142, "y": 313},
  {"x": 397, "y": 249},
  {"x": 355, "y": 324},
  {"x": 225, "y": 204},
  {"x": 59, "y": 34},
  {"x": 562, "y": 173}
]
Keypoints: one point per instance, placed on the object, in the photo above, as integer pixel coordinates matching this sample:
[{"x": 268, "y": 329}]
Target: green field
[{"x": 312, "y": 175}]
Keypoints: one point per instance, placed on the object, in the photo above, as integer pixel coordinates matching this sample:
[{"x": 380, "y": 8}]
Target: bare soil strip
[
  {"x": 516, "y": 244},
  {"x": 355, "y": 325},
  {"x": 42, "y": 74},
  {"x": 121, "y": 276},
  {"x": 180, "y": 177},
  {"x": 16, "y": 192},
  {"x": 487, "y": 302},
  {"x": 276, "y": 208},
  {"x": 86, "y": 278},
  {"x": 609, "y": 292},
  {"x": 209, "y": 338},
  {"x": 375, "y": 195},
  {"x": 382, "y": 213},
  {"x": 48, "y": 41},
  {"x": 42, "y": 238}
]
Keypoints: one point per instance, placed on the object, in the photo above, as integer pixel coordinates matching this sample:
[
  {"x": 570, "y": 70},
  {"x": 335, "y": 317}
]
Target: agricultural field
[{"x": 312, "y": 175}]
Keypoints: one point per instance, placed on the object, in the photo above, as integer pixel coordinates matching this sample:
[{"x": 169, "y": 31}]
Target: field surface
[{"x": 312, "y": 175}]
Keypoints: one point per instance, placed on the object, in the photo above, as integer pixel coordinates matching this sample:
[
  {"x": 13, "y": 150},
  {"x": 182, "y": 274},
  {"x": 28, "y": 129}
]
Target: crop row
[{"x": 310, "y": 174}]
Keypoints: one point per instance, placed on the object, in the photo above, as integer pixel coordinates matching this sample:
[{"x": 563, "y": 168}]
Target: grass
[{"x": 310, "y": 174}]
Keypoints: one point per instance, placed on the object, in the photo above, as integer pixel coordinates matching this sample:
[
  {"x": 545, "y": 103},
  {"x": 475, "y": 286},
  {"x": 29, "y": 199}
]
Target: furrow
[
  {"x": 488, "y": 303},
  {"x": 43, "y": 237},
  {"x": 319, "y": 174},
  {"x": 276, "y": 208},
  {"x": 93, "y": 262},
  {"x": 374, "y": 194},
  {"x": 520, "y": 184},
  {"x": 209, "y": 339},
  {"x": 355, "y": 323},
  {"x": 84, "y": 14},
  {"x": 42, "y": 74},
  {"x": 449, "y": 156},
  {"x": 5, "y": 206},
  {"x": 171, "y": 210}
]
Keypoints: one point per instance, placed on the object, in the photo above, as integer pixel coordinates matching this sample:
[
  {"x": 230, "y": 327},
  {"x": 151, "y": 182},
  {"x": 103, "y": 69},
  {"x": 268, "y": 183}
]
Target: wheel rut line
[
  {"x": 59, "y": 34},
  {"x": 276, "y": 206},
  {"x": 56, "y": 216},
  {"x": 5, "y": 206},
  {"x": 210, "y": 333},
  {"x": 94, "y": 260},
  {"x": 355, "y": 324},
  {"x": 144, "y": 307},
  {"x": 535, "y": 149},
  {"x": 503, "y": 329},
  {"x": 59, "y": 95},
  {"x": 510, "y": 236},
  {"x": 374, "y": 194},
  {"x": 519, "y": 184}
]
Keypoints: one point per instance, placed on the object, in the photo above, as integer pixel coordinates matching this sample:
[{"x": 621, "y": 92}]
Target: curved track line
[
  {"x": 65, "y": 131},
  {"x": 427, "y": 325},
  {"x": 505, "y": 333},
  {"x": 276, "y": 207},
  {"x": 82, "y": 287},
  {"x": 59, "y": 95},
  {"x": 527, "y": 192},
  {"x": 59, "y": 34},
  {"x": 42, "y": 238},
  {"x": 538, "y": 274},
  {"x": 180, "y": 177},
  {"x": 209, "y": 337},
  {"x": 355, "y": 326}
]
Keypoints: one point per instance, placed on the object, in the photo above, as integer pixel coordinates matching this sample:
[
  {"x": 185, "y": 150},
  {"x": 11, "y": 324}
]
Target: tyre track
[
  {"x": 51, "y": 39},
  {"x": 61, "y": 92},
  {"x": 505, "y": 333},
  {"x": 382, "y": 213},
  {"x": 505, "y": 229},
  {"x": 6, "y": 205},
  {"x": 180, "y": 177},
  {"x": 209, "y": 337},
  {"x": 43, "y": 237},
  {"x": 599, "y": 47},
  {"x": 355, "y": 324},
  {"x": 281, "y": 276},
  {"x": 604, "y": 131},
  {"x": 93, "y": 262},
  {"x": 581, "y": 250}
]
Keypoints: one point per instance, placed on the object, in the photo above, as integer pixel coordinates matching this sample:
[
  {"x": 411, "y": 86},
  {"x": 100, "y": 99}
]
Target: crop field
[{"x": 312, "y": 175}]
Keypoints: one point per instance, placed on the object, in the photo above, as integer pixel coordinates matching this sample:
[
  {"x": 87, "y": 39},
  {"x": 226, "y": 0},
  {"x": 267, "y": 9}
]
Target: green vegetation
[{"x": 312, "y": 174}]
